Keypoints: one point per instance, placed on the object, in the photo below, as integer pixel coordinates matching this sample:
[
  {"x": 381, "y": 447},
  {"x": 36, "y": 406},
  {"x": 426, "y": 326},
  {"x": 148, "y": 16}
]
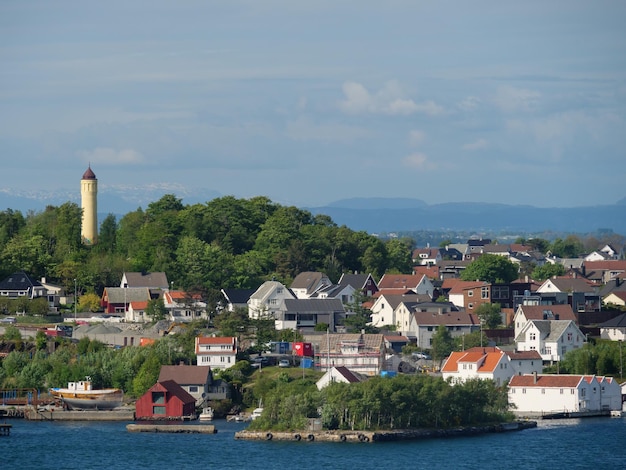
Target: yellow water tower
[{"x": 89, "y": 204}]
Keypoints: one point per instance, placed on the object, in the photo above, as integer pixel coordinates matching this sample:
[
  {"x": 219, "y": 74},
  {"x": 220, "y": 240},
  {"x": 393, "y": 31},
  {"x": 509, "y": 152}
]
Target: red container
[{"x": 303, "y": 349}]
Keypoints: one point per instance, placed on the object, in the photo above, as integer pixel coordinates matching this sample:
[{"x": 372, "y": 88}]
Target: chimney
[{"x": 535, "y": 377}]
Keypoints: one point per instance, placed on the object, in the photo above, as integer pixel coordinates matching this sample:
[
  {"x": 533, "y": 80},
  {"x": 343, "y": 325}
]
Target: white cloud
[
  {"x": 469, "y": 103},
  {"x": 390, "y": 99},
  {"x": 418, "y": 160},
  {"x": 416, "y": 137},
  {"x": 108, "y": 156},
  {"x": 476, "y": 145},
  {"x": 511, "y": 99}
]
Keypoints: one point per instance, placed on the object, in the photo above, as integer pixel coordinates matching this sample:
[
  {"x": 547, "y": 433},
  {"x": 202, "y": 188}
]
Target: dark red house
[{"x": 165, "y": 400}]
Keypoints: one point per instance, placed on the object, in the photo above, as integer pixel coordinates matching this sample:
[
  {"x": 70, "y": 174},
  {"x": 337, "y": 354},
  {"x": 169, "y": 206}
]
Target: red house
[{"x": 165, "y": 400}]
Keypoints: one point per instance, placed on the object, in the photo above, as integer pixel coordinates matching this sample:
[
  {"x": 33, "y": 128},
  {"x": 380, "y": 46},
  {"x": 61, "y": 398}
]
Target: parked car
[
  {"x": 9, "y": 320},
  {"x": 421, "y": 355},
  {"x": 284, "y": 363},
  {"x": 260, "y": 361}
]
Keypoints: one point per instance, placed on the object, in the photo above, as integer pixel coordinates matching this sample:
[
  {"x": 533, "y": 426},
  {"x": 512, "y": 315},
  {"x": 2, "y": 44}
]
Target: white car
[
  {"x": 284, "y": 363},
  {"x": 10, "y": 320}
]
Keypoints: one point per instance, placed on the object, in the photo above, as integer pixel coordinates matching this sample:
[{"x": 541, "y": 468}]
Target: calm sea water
[{"x": 554, "y": 444}]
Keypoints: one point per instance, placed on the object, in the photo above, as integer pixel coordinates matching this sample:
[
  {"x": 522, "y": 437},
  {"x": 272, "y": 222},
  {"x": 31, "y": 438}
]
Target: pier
[{"x": 173, "y": 428}]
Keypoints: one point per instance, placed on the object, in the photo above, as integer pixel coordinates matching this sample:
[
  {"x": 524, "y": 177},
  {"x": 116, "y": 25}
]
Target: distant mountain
[
  {"x": 376, "y": 218},
  {"x": 373, "y": 215}
]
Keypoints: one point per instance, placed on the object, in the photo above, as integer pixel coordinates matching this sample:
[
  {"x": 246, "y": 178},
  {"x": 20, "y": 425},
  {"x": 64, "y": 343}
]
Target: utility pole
[{"x": 75, "y": 298}]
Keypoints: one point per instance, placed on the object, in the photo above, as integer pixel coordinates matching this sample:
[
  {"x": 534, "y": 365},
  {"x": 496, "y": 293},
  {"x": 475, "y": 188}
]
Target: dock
[
  {"x": 173, "y": 428},
  {"x": 5, "y": 429},
  {"x": 381, "y": 436},
  {"x": 33, "y": 414}
]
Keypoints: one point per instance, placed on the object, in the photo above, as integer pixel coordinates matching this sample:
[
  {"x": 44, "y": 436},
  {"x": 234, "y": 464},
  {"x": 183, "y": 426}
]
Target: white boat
[
  {"x": 206, "y": 415},
  {"x": 256, "y": 413},
  {"x": 81, "y": 396}
]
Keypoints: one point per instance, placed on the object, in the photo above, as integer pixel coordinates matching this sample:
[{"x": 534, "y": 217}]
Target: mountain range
[{"x": 373, "y": 215}]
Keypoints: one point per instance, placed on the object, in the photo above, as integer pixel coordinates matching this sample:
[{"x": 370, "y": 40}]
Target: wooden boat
[{"x": 81, "y": 396}]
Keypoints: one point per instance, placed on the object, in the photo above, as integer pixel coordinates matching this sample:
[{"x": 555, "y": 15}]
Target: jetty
[
  {"x": 58, "y": 414},
  {"x": 173, "y": 428},
  {"x": 381, "y": 436}
]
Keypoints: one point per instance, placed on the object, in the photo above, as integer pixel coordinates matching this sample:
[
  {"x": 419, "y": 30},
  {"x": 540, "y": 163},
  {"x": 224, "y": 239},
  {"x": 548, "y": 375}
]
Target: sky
[{"x": 310, "y": 102}]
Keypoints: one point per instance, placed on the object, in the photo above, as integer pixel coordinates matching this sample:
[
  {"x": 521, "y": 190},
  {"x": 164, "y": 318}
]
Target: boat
[
  {"x": 256, "y": 413},
  {"x": 206, "y": 415},
  {"x": 81, "y": 396}
]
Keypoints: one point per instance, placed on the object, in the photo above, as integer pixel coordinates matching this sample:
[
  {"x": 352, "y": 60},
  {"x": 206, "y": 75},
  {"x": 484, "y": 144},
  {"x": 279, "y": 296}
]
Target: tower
[{"x": 89, "y": 205}]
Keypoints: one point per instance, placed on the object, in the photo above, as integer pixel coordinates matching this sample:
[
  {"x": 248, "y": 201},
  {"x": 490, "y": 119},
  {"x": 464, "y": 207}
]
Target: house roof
[
  {"x": 176, "y": 390},
  {"x": 150, "y": 280},
  {"x": 120, "y": 295},
  {"x": 230, "y": 340},
  {"x": 523, "y": 355},
  {"x": 237, "y": 296},
  {"x": 432, "y": 272},
  {"x": 547, "y": 312},
  {"x": 396, "y": 299},
  {"x": 139, "y": 305},
  {"x": 313, "y": 305},
  {"x": 347, "y": 374},
  {"x": 570, "y": 284},
  {"x": 617, "y": 322},
  {"x": 460, "y": 286},
  {"x": 619, "y": 294},
  {"x": 367, "y": 342},
  {"x": 606, "y": 265},
  {"x": 186, "y": 375},
  {"x": 355, "y": 280},
  {"x": 19, "y": 281},
  {"x": 266, "y": 289},
  {"x": 309, "y": 280},
  {"x": 546, "y": 381},
  {"x": 550, "y": 330},
  {"x": 400, "y": 281},
  {"x": 486, "y": 358}
]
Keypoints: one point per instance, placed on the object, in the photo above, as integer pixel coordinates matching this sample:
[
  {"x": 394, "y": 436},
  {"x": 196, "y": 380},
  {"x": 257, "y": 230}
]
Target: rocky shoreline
[{"x": 382, "y": 436}]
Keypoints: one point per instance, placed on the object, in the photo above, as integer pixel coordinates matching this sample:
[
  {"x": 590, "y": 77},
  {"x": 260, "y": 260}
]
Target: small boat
[
  {"x": 206, "y": 415},
  {"x": 81, "y": 396},
  {"x": 256, "y": 413}
]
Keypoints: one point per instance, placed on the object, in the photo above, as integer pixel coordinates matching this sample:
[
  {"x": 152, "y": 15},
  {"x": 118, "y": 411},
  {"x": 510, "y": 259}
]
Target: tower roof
[{"x": 89, "y": 174}]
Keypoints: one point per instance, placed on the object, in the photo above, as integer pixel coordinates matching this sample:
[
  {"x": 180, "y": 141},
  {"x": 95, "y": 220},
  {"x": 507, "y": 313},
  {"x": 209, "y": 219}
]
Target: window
[
  {"x": 533, "y": 337},
  {"x": 470, "y": 305},
  {"x": 543, "y": 391},
  {"x": 500, "y": 292},
  {"x": 569, "y": 336},
  {"x": 484, "y": 292},
  {"x": 158, "y": 398},
  {"x": 561, "y": 391},
  {"x": 470, "y": 293},
  {"x": 193, "y": 389},
  {"x": 523, "y": 390},
  {"x": 158, "y": 410}
]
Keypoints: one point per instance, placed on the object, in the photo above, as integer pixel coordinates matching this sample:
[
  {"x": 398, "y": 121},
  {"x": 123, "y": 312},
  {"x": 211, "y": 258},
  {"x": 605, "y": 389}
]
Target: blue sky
[{"x": 308, "y": 102}]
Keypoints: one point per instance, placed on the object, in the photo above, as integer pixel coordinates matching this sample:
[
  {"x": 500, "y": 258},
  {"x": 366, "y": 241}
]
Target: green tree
[
  {"x": 490, "y": 268},
  {"x": 571, "y": 247},
  {"x": 442, "y": 344},
  {"x": 399, "y": 255},
  {"x": 490, "y": 315},
  {"x": 89, "y": 302},
  {"x": 548, "y": 270},
  {"x": 156, "y": 309}
]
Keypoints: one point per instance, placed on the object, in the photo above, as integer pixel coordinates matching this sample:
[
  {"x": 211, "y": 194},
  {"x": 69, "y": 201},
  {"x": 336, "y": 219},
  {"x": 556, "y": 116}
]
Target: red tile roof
[
  {"x": 546, "y": 381},
  {"x": 536, "y": 312}
]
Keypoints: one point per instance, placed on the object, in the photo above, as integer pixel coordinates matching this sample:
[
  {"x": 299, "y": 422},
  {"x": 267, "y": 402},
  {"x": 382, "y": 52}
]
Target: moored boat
[
  {"x": 206, "y": 415},
  {"x": 81, "y": 396}
]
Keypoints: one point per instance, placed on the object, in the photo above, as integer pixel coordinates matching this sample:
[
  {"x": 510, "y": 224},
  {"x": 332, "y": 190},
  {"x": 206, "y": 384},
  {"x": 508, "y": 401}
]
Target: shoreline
[{"x": 382, "y": 436}]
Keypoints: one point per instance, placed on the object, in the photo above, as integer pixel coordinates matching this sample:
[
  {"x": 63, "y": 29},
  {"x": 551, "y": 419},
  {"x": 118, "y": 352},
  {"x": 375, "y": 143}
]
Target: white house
[
  {"x": 339, "y": 374},
  {"x": 307, "y": 283},
  {"x": 384, "y": 308},
  {"x": 424, "y": 325},
  {"x": 400, "y": 283},
  {"x": 216, "y": 352},
  {"x": 489, "y": 363},
  {"x": 184, "y": 307},
  {"x": 614, "y": 329},
  {"x": 544, "y": 394},
  {"x": 136, "y": 312},
  {"x": 551, "y": 338},
  {"x": 527, "y": 312},
  {"x": 267, "y": 300}
]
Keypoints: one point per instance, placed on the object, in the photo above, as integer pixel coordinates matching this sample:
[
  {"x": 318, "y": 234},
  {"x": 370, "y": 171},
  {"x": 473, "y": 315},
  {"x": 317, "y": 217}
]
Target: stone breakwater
[{"x": 381, "y": 436}]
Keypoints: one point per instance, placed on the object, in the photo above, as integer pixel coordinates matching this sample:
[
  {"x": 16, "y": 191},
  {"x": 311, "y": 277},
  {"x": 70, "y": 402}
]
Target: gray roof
[
  {"x": 266, "y": 289},
  {"x": 19, "y": 281},
  {"x": 186, "y": 375},
  {"x": 120, "y": 295},
  {"x": 617, "y": 322},
  {"x": 313, "y": 305},
  {"x": 152, "y": 280},
  {"x": 550, "y": 330},
  {"x": 237, "y": 296},
  {"x": 355, "y": 280},
  {"x": 309, "y": 280}
]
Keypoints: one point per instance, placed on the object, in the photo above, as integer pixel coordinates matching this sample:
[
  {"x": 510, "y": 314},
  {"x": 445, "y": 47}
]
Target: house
[
  {"x": 536, "y": 395},
  {"x": 424, "y": 325},
  {"x": 361, "y": 353},
  {"x": 345, "y": 293},
  {"x": 525, "y": 313},
  {"x": 165, "y": 401},
  {"x": 267, "y": 299},
  {"x": 431, "y": 272},
  {"x": 452, "y": 269},
  {"x": 616, "y": 298},
  {"x": 608, "y": 269},
  {"x": 489, "y": 363},
  {"x": 575, "y": 291},
  {"x": 216, "y": 352},
  {"x": 614, "y": 329},
  {"x": 456, "y": 290},
  {"x": 395, "y": 343},
  {"x": 551, "y": 338},
  {"x": 236, "y": 298},
  {"x": 304, "y": 314},
  {"x": 426, "y": 256},
  {"x": 364, "y": 283},
  {"x": 385, "y": 307},
  {"x": 56, "y": 295},
  {"x": 117, "y": 299},
  {"x": 183, "y": 307},
  {"x": 21, "y": 285},
  {"x": 136, "y": 312},
  {"x": 339, "y": 374},
  {"x": 404, "y": 313},
  {"x": 475, "y": 295},
  {"x": 154, "y": 281},
  {"x": 307, "y": 283},
  {"x": 195, "y": 380},
  {"x": 400, "y": 283}
]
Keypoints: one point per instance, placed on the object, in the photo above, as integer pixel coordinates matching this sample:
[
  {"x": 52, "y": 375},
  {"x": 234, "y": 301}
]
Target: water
[{"x": 552, "y": 445}]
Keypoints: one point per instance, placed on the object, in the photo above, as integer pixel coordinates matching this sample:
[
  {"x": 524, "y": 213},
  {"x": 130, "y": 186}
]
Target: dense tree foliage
[
  {"x": 601, "y": 358},
  {"x": 490, "y": 315},
  {"x": 403, "y": 402},
  {"x": 490, "y": 268},
  {"x": 548, "y": 270}
]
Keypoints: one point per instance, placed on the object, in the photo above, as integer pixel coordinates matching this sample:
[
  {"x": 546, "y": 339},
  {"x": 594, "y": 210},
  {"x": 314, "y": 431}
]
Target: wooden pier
[
  {"x": 5, "y": 429},
  {"x": 173, "y": 428}
]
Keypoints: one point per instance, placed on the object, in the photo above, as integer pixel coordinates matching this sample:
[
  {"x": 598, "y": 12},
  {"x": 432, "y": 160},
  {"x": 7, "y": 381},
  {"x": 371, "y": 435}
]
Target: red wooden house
[{"x": 165, "y": 400}]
